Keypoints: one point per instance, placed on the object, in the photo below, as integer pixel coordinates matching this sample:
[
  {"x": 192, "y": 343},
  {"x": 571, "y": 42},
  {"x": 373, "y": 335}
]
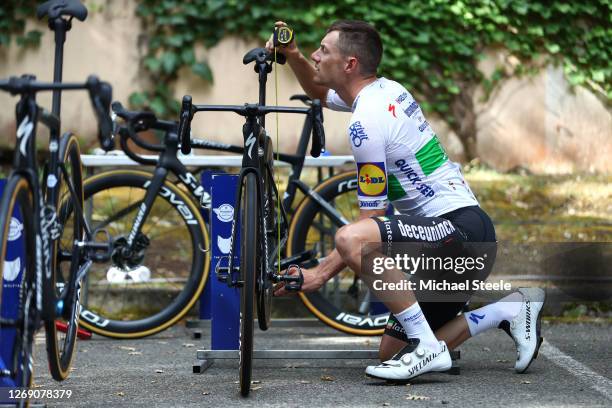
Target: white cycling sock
[
  {"x": 414, "y": 323},
  {"x": 490, "y": 316}
]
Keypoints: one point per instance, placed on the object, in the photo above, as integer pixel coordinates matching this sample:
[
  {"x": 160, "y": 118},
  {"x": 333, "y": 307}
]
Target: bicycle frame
[{"x": 168, "y": 162}]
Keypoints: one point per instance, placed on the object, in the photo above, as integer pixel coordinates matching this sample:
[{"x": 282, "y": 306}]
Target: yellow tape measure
[{"x": 282, "y": 36}]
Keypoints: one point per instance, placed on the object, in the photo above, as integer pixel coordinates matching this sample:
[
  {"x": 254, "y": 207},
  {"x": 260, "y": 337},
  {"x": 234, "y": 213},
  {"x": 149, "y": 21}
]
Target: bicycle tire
[
  {"x": 342, "y": 312},
  {"x": 264, "y": 283},
  {"x": 17, "y": 199},
  {"x": 249, "y": 269},
  {"x": 179, "y": 287},
  {"x": 61, "y": 345}
]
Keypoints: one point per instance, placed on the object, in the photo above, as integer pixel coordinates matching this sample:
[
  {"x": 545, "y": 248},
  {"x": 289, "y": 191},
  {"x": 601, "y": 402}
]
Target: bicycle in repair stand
[{"x": 259, "y": 213}]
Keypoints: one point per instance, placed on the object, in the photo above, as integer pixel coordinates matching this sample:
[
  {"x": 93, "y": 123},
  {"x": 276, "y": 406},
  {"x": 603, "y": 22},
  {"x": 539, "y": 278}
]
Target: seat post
[{"x": 60, "y": 27}]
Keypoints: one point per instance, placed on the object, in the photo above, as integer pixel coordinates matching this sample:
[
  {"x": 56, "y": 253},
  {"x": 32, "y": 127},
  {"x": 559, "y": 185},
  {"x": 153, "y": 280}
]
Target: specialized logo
[
  {"x": 357, "y": 134},
  {"x": 224, "y": 244},
  {"x": 250, "y": 142},
  {"x": 15, "y": 229},
  {"x": 476, "y": 318},
  {"x": 24, "y": 131},
  {"x": 527, "y": 320},
  {"x": 11, "y": 269},
  {"x": 421, "y": 364},
  {"x": 225, "y": 212},
  {"x": 392, "y": 109},
  {"x": 372, "y": 179}
]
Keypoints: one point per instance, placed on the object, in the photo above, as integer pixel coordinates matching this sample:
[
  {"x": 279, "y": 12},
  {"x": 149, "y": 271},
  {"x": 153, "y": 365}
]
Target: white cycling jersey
[{"x": 399, "y": 157}]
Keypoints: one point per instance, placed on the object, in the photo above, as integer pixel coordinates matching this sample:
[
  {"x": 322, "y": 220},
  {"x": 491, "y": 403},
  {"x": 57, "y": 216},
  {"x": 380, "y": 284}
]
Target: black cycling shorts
[{"x": 442, "y": 234}]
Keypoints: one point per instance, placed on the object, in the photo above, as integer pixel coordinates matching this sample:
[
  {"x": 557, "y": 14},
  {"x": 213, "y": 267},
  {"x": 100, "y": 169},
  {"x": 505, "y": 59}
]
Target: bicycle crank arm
[{"x": 306, "y": 257}]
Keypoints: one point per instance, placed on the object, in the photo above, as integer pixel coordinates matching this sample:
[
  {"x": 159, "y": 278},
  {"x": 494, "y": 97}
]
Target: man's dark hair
[{"x": 359, "y": 39}]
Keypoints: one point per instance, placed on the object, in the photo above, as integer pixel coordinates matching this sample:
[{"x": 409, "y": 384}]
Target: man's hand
[
  {"x": 313, "y": 280},
  {"x": 290, "y": 51}
]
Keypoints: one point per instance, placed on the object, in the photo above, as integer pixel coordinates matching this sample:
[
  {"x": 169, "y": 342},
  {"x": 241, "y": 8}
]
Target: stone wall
[{"x": 536, "y": 123}]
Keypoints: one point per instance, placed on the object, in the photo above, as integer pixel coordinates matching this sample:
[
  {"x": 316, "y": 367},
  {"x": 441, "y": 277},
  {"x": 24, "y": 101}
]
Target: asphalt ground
[{"x": 574, "y": 369}]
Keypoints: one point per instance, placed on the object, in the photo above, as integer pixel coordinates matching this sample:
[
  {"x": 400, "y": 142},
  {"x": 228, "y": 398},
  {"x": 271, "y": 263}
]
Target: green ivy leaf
[
  {"x": 598, "y": 76},
  {"x": 553, "y": 48},
  {"x": 137, "y": 99},
  {"x": 188, "y": 56},
  {"x": 202, "y": 70},
  {"x": 169, "y": 62},
  {"x": 152, "y": 64}
]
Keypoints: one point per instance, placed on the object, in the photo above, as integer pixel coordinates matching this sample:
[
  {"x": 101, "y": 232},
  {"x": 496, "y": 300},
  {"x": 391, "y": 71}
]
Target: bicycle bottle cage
[{"x": 58, "y": 8}]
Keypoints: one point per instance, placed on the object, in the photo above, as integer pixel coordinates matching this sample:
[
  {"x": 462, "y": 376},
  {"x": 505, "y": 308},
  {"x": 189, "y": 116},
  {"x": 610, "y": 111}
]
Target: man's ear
[{"x": 351, "y": 65}]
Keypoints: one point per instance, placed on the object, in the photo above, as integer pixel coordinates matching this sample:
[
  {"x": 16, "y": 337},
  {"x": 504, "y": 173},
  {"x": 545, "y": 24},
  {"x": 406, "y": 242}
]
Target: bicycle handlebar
[
  {"x": 315, "y": 113},
  {"x": 184, "y": 129},
  {"x": 100, "y": 94}
]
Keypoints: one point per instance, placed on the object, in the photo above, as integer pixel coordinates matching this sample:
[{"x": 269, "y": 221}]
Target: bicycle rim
[
  {"x": 343, "y": 302},
  {"x": 65, "y": 263},
  {"x": 249, "y": 265},
  {"x": 153, "y": 288}
]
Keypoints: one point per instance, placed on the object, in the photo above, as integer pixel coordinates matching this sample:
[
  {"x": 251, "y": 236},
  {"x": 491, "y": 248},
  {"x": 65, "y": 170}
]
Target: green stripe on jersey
[
  {"x": 431, "y": 156},
  {"x": 394, "y": 188}
]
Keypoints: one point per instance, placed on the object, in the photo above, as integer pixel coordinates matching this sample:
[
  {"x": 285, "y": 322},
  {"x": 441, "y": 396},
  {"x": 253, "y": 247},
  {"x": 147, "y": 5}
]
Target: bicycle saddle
[
  {"x": 262, "y": 55},
  {"x": 58, "y": 8}
]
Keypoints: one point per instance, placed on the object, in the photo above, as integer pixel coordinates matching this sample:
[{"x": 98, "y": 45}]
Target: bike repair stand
[{"x": 221, "y": 304}]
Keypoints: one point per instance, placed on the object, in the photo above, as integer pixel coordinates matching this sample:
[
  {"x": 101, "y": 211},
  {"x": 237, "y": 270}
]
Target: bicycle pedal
[{"x": 293, "y": 282}]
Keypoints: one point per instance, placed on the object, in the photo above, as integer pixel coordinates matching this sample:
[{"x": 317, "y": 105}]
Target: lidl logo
[{"x": 372, "y": 179}]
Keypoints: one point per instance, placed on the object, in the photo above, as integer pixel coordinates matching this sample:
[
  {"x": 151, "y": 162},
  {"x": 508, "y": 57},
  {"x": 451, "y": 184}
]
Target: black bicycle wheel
[
  {"x": 20, "y": 316},
  {"x": 61, "y": 332},
  {"x": 249, "y": 268},
  {"x": 140, "y": 293},
  {"x": 264, "y": 283},
  {"x": 344, "y": 302}
]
